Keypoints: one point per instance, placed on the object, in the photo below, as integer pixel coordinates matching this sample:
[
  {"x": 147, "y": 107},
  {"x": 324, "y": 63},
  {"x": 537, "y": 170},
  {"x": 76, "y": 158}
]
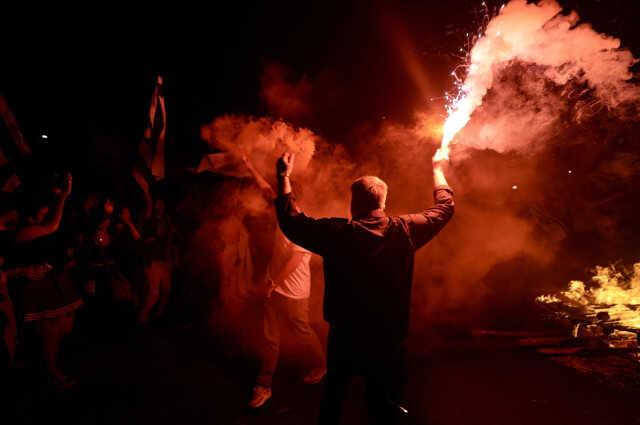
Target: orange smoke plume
[{"x": 540, "y": 34}]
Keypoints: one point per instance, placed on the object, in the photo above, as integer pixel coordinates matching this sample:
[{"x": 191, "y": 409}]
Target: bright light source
[
  {"x": 44, "y": 136},
  {"x": 570, "y": 172},
  {"x": 514, "y": 187}
]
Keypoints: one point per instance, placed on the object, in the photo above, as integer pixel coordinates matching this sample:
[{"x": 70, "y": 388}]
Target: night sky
[{"x": 84, "y": 75}]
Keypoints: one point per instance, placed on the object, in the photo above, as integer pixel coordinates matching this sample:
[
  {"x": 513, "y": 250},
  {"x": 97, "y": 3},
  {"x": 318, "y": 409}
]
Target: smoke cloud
[
  {"x": 535, "y": 67},
  {"x": 539, "y": 171}
]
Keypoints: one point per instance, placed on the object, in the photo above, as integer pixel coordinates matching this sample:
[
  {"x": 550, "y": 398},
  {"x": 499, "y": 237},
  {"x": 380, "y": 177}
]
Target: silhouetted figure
[
  {"x": 46, "y": 293},
  {"x": 113, "y": 298},
  {"x": 368, "y": 268},
  {"x": 8, "y": 222},
  {"x": 286, "y": 308}
]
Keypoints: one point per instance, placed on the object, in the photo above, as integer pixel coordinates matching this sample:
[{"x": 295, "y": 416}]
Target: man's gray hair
[{"x": 369, "y": 193}]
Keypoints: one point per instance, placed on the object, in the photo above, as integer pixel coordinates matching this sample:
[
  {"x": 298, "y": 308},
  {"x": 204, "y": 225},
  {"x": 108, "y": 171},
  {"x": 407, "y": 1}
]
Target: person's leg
[
  {"x": 65, "y": 328},
  {"x": 151, "y": 292},
  {"x": 270, "y": 347},
  {"x": 297, "y": 319},
  {"x": 122, "y": 290},
  {"x": 51, "y": 332},
  {"x": 9, "y": 332},
  {"x": 267, "y": 353},
  {"x": 337, "y": 380},
  {"x": 381, "y": 411},
  {"x": 99, "y": 308},
  {"x": 66, "y": 323},
  {"x": 54, "y": 332},
  {"x": 385, "y": 379},
  {"x": 164, "y": 287}
]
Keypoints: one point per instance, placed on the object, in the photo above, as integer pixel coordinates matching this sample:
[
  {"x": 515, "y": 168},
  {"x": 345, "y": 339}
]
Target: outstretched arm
[
  {"x": 125, "y": 215},
  {"x": 146, "y": 192},
  {"x": 315, "y": 235},
  {"x": 425, "y": 225},
  {"x": 52, "y": 222},
  {"x": 284, "y": 168}
]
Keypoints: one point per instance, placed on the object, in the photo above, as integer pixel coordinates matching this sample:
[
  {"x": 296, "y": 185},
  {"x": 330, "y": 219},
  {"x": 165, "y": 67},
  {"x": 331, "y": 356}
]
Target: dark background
[{"x": 83, "y": 75}]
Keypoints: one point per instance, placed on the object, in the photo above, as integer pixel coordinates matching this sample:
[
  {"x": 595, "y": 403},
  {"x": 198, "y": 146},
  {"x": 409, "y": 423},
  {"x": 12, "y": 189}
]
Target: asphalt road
[{"x": 175, "y": 376}]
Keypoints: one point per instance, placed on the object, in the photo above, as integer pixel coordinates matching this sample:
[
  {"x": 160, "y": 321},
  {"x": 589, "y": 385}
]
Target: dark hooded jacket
[{"x": 368, "y": 261}]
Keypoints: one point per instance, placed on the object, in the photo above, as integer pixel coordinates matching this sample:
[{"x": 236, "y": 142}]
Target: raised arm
[
  {"x": 52, "y": 222},
  {"x": 146, "y": 192},
  {"x": 316, "y": 235},
  {"x": 284, "y": 168},
  {"x": 125, "y": 216},
  {"x": 426, "y": 224}
]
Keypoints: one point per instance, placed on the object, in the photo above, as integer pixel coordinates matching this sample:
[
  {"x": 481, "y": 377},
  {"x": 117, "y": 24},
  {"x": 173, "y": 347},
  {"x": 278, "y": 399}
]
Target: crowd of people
[
  {"x": 93, "y": 264},
  {"x": 94, "y": 267},
  {"x": 62, "y": 262}
]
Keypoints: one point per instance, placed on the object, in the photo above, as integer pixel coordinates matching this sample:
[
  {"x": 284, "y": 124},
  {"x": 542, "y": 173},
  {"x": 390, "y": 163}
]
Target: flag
[
  {"x": 153, "y": 143},
  {"x": 150, "y": 166},
  {"x": 224, "y": 163}
]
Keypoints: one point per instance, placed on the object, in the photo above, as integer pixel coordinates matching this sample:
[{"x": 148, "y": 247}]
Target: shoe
[
  {"x": 315, "y": 376},
  {"x": 259, "y": 396}
]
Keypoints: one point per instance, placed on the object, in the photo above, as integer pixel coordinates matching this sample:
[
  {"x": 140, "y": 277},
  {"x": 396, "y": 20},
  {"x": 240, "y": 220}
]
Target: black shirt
[{"x": 368, "y": 262}]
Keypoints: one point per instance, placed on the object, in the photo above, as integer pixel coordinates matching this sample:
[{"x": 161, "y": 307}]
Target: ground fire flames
[{"x": 610, "y": 306}]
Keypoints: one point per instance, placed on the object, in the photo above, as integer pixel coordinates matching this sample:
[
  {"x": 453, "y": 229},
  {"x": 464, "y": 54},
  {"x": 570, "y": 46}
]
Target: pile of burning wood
[{"x": 603, "y": 316}]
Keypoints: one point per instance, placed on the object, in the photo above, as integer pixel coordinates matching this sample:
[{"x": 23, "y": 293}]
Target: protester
[
  {"x": 46, "y": 296},
  {"x": 113, "y": 294},
  {"x": 287, "y": 292},
  {"x": 368, "y": 264}
]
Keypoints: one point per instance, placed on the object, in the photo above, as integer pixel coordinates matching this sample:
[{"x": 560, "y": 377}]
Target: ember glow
[
  {"x": 614, "y": 296},
  {"x": 536, "y": 34}
]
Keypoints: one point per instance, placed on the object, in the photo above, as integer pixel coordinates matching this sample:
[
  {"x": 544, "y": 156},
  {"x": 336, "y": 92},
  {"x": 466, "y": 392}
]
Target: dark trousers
[
  {"x": 380, "y": 361},
  {"x": 284, "y": 313}
]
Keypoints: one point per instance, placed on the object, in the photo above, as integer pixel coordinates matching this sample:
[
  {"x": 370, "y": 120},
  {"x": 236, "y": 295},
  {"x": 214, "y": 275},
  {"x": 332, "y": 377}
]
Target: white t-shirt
[{"x": 297, "y": 284}]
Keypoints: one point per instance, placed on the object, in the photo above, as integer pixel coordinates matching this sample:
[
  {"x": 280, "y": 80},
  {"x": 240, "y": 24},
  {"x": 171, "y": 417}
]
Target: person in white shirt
[{"x": 287, "y": 307}]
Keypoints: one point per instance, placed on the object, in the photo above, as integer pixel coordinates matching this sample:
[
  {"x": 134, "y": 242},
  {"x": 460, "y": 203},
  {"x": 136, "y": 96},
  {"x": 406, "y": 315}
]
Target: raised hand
[{"x": 284, "y": 165}]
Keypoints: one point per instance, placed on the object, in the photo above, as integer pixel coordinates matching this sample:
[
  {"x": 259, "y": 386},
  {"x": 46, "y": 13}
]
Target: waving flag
[
  {"x": 151, "y": 168},
  {"x": 153, "y": 143}
]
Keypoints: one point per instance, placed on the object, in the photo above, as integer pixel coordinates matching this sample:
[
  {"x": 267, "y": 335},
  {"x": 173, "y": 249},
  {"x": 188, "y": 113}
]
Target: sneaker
[
  {"x": 259, "y": 396},
  {"x": 315, "y": 376}
]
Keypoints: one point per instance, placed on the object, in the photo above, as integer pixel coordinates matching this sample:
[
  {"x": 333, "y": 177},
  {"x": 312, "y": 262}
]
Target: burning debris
[{"x": 605, "y": 314}]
